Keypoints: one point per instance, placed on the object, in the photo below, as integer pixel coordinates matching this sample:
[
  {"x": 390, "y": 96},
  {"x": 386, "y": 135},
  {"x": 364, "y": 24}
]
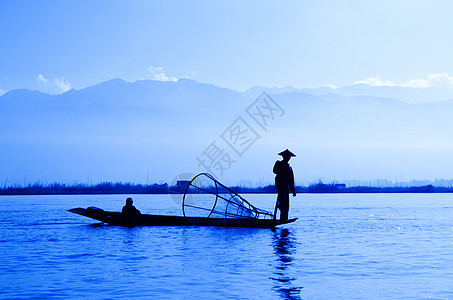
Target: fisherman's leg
[
  {"x": 284, "y": 212},
  {"x": 284, "y": 206},
  {"x": 284, "y": 215}
]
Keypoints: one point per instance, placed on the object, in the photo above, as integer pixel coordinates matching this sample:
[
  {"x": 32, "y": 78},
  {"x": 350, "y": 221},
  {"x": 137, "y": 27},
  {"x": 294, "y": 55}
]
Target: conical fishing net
[{"x": 208, "y": 198}]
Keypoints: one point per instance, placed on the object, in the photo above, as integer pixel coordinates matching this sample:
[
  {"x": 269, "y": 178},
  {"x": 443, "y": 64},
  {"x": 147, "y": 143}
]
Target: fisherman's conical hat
[{"x": 286, "y": 153}]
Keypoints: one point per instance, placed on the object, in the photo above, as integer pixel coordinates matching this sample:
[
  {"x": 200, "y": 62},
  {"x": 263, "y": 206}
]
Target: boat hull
[{"x": 116, "y": 218}]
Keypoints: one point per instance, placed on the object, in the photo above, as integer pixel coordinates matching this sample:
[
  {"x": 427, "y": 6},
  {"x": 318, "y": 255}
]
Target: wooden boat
[
  {"x": 116, "y": 218},
  {"x": 206, "y": 202}
]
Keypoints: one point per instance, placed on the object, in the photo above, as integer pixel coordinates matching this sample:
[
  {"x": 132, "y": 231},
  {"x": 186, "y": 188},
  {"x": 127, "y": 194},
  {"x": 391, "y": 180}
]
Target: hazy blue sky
[{"x": 55, "y": 45}]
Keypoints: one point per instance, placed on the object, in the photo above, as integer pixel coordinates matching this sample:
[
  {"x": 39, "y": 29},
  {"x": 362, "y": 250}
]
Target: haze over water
[
  {"x": 137, "y": 92},
  {"x": 355, "y": 246}
]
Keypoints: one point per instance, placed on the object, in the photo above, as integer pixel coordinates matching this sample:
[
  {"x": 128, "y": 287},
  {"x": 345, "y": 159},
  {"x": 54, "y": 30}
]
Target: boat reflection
[{"x": 285, "y": 244}]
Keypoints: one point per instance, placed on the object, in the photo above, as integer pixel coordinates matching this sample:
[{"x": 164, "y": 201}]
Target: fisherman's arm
[{"x": 291, "y": 182}]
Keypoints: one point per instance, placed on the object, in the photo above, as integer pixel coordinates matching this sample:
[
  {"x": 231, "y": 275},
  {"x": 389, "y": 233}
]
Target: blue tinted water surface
[{"x": 352, "y": 246}]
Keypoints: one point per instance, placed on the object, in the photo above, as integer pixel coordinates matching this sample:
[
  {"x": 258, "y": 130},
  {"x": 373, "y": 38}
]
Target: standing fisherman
[{"x": 284, "y": 179}]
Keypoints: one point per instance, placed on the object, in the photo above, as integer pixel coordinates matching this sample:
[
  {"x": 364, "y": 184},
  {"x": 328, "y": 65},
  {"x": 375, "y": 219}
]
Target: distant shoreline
[{"x": 128, "y": 188}]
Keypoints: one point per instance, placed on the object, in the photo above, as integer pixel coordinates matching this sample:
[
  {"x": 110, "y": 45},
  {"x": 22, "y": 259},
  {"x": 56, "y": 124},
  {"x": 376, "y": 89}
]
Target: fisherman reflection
[
  {"x": 285, "y": 248},
  {"x": 284, "y": 179},
  {"x": 129, "y": 211}
]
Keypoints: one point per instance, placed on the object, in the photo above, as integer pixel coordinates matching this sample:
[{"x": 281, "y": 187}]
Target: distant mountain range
[
  {"x": 152, "y": 131},
  {"x": 406, "y": 94}
]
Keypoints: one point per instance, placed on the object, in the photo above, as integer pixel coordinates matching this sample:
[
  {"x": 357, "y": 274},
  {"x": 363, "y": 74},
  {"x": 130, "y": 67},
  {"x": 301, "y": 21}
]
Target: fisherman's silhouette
[
  {"x": 129, "y": 211},
  {"x": 284, "y": 182}
]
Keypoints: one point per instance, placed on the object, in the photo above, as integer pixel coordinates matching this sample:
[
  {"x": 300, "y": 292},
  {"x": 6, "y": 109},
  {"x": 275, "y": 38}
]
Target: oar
[{"x": 275, "y": 210}]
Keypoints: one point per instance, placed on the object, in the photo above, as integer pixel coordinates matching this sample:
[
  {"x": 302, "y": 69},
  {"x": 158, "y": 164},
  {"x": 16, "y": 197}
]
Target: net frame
[{"x": 234, "y": 200}]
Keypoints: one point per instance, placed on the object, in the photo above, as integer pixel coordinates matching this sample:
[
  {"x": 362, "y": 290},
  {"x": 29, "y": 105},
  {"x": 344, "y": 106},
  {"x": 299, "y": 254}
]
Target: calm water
[{"x": 354, "y": 246}]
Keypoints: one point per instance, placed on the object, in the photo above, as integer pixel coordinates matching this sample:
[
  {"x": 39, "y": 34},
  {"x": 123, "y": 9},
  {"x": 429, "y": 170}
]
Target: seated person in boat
[{"x": 129, "y": 210}]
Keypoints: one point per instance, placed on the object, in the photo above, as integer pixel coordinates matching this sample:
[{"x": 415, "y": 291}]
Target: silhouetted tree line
[
  {"x": 101, "y": 188},
  {"x": 130, "y": 188},
  {"x": 341, "y": 188}
]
